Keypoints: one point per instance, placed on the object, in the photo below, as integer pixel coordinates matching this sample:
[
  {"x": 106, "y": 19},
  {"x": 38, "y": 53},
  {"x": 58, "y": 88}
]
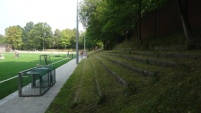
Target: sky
[{"x": 59, "y": 14}]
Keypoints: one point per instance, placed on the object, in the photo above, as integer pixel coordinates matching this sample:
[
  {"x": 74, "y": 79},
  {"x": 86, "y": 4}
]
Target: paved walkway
[{"x": 15, "y": 104}]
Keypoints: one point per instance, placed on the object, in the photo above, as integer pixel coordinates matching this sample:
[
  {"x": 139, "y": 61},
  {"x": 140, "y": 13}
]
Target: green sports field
[{"x": 10, "y": 66}]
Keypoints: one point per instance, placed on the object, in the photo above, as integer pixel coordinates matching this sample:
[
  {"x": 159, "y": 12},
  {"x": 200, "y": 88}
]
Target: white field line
[
  {"x": 8, "y": 79},
  {"x": 59, "y": 61},
  {"x": 17, "y": 75}
]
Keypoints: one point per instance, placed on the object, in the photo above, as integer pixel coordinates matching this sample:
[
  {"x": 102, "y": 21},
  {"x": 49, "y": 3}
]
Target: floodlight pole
[
  {"x": 77, "y": 36},
  {"x": 43, "y": 44},
  {"x": 84, "y": 40}
]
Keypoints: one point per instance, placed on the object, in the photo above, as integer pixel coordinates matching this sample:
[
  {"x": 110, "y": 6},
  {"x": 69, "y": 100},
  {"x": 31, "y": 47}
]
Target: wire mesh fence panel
[
  {"x": 53, "y": 77},
  {"x": 36, "y": 81},
  {"x": 45, "y": 60},
  {"x": 30, "y": 85},
  {"x": 52, "y": 72}
]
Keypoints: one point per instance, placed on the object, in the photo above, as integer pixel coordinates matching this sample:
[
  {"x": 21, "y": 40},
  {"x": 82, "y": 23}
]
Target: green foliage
[
  {"x": 173, "y": 41},
  {"x": 39, "y": 36},
  {"x": 110, "y": 21},
  {"x": 150, "y": 5},
  {"x": 81, "y": 40},
  {"x": 56, "y": 38},
  {"x": 68, "y": 38},
  {"x": 2, "y": 39},
  {"x": 26, "y": 37},
  {"x": 14, "y": 36}
]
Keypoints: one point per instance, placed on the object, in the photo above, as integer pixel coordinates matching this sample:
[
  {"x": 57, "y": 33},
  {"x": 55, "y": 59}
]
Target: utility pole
[{"x": 77, "y": 37}]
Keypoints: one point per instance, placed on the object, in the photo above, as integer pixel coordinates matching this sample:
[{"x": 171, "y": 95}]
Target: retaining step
[
  {"x": 147, "y": 60},
  {"x": 139, "y": 71}
]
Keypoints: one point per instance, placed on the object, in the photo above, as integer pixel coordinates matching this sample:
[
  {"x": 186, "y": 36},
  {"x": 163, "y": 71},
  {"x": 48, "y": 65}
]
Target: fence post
[{"x": 20, "y": 84}]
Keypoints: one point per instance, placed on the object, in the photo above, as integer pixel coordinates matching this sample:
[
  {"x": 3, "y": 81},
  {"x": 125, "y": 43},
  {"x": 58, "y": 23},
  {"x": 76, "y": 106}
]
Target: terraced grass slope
[{"x": 130, "y": 81}]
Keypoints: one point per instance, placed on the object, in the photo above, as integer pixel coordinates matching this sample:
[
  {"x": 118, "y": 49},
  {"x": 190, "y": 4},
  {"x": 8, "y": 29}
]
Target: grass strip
[
  {"x": 176, "y": 90},
  {"x": 9, "y": 85}
]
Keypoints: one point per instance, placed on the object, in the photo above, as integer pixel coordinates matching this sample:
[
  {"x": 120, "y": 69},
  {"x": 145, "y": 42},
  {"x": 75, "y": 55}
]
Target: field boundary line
[
  {"x": 8, "y": 79},
  {"x": 59, "y": 61},
  {"x": 17, "y": 75}
]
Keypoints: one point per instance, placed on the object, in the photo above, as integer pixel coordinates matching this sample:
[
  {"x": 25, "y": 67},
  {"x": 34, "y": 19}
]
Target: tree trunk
[
  {"x": 104, "y": 45},
  {"x": 156, "y": 22},
  {"x": 139, "y": 33},
  {"x": 183, "y": 13}
]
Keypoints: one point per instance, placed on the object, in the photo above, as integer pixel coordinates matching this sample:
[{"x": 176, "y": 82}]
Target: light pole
[
  {"x": 84, "y": 41},
  {"x": 44, "y": 41},
  {"x": 77, "y": 36},
  {"x": 43, "y": 44}
]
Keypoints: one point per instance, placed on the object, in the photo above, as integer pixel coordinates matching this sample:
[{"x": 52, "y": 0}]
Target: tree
[
  {"x": 139, "y": 16},
  {"x": 68, "y": 38},
  {"x": 81, "y": 40},
  {"x": 91, "y": 15},
  {"x": 14, "y": 36},
  {"x": 2, "y": 39},
  {"x": 183, "y": 13},
  {"x": 27, "y": 29},
  {"x": 112, "y": 21},
  {"x": 40, "y": 37},
  {"x": 64, "y": 39},
  {"x": 109, "y": 22},
  {"x": 57, "y": 38},
  {"x": 72, "y": 39}
]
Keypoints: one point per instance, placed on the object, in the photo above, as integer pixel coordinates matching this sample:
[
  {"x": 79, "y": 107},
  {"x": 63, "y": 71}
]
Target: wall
[
  {"x": 166, "y": 19},
  {"x": 5, "y": 47}
]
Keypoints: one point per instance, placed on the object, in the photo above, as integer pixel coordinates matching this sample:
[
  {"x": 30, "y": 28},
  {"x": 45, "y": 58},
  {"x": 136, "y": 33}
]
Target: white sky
[{"x": 59, "y": 14}]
